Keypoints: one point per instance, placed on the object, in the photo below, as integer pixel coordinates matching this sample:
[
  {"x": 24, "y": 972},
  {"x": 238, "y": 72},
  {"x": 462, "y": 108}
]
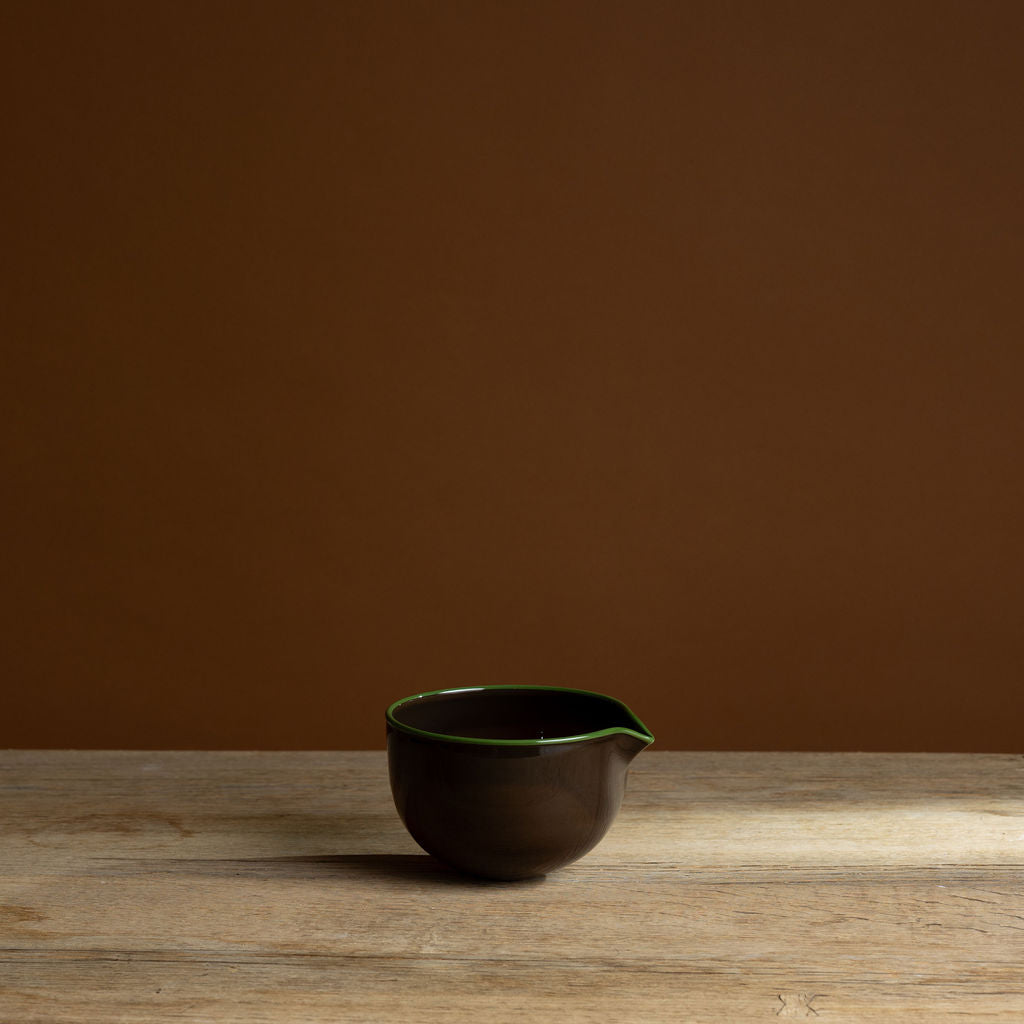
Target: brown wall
[{"x": 668, "y": 349}]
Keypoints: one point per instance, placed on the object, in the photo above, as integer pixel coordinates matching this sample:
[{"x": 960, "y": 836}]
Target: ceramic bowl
[{"x": 510, "y": 782}]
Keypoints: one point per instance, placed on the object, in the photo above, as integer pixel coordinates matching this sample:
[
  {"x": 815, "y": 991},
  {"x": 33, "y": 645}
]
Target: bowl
[{"x": 510, "y": 782}]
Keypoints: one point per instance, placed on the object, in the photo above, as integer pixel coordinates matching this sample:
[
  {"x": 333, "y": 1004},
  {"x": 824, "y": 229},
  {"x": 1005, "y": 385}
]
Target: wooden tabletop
[{"x": 282, "y": 887}]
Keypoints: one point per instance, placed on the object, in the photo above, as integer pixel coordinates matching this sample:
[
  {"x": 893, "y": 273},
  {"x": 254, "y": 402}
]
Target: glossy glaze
[{"x": 510, "y": 782}]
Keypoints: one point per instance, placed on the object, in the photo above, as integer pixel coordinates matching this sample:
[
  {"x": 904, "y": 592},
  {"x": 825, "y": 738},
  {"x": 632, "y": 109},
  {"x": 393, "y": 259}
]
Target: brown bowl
[{"x": 510, "y": 782}]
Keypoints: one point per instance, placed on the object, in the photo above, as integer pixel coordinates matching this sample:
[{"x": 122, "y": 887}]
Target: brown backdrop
[{"x": 668, "y": 349}]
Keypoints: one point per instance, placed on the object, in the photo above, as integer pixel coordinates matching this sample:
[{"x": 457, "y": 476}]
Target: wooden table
[{"x": 258, "y": 887}]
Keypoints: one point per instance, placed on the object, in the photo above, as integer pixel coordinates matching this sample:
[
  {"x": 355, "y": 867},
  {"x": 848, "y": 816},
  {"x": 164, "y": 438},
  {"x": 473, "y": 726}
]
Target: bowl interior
[{"x": 513, "y": 714}]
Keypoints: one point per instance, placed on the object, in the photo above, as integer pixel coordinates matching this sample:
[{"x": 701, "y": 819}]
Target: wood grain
[{"x": 265, "y": 887}]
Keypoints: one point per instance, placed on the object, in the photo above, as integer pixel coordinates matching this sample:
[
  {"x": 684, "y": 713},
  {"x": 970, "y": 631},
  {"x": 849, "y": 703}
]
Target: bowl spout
[{"x": 631, "y": 742}]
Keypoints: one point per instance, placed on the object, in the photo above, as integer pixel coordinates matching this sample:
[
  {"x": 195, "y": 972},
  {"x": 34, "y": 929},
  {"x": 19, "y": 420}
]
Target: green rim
[{"x": 641, "y": 733}]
